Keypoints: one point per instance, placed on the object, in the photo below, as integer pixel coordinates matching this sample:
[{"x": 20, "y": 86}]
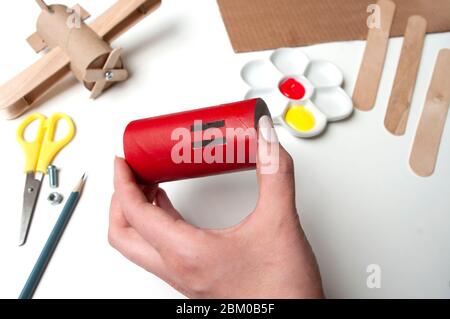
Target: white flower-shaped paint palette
[{"x": 302, "y": 94}]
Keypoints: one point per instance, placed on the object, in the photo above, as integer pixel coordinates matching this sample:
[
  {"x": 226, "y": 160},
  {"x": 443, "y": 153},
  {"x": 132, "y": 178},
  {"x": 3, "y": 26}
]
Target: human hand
[{"x": 265, "y": 256}]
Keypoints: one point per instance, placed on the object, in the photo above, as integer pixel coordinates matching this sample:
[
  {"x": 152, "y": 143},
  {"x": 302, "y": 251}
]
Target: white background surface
[{"x": 359, "y": 202}]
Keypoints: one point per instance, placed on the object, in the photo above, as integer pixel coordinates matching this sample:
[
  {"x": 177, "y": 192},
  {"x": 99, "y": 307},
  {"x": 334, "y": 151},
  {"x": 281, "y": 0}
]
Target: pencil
[{"x": 52, "y": 241}]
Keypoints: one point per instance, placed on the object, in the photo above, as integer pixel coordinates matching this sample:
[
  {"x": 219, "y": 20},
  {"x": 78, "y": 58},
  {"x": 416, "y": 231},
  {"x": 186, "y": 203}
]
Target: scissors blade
[{"x": 30, "y": 196}]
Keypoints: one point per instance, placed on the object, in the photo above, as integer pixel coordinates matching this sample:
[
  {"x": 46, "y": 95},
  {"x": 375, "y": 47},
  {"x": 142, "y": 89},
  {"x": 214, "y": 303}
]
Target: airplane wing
[
  {"x": 123, "y": 15},
  {"x": 17, "y": 95}
]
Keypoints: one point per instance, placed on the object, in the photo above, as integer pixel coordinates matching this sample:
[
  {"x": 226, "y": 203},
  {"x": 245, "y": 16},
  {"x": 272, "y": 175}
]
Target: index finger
[{"x": 161, "y": 229}]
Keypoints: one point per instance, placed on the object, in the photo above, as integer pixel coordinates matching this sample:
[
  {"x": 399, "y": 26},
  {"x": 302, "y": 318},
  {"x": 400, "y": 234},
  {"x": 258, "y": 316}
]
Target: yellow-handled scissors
[{"x": 39, "y": 154}]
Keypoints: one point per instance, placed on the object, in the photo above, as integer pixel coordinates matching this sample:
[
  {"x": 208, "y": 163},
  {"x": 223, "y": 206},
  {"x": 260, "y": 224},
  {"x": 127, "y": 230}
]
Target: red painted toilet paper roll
[{"x": 197, "y": 143}]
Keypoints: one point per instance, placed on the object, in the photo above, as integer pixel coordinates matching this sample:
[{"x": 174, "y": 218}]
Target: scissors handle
[
  {"x": 32, "y": 148},
  {"x": 41, "y": 152},
  {"x": 50, "y": 148}
]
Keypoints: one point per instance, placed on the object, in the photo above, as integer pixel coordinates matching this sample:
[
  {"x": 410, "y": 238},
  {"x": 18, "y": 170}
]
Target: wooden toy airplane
[{"x": 73, "y": 46}]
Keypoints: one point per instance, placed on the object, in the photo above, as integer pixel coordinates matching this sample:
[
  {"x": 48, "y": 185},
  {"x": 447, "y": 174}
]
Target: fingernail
[{"x": 267, "y": 130}]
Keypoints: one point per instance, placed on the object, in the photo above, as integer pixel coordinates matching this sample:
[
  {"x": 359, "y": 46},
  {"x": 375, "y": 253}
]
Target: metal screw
[
  {"x": 109, "y": 75},
  {"x": 53, "y": 176},
  {"x": 55, "y": 198}
]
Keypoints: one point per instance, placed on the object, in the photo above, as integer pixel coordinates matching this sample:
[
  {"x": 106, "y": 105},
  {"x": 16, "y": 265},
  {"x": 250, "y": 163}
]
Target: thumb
[{"x": 275, "y": 168}]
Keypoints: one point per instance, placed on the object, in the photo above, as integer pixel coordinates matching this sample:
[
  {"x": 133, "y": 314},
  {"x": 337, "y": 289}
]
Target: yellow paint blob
[{"x": 300, "y": 119}]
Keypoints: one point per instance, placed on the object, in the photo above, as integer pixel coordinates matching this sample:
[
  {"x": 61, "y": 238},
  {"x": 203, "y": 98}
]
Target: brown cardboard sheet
[{"x": 255, "y": 25}]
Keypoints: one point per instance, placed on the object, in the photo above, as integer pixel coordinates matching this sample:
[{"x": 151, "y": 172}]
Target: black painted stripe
[
  {"x": 204, "y": 127},
  {"x": 215, "y": 142}
]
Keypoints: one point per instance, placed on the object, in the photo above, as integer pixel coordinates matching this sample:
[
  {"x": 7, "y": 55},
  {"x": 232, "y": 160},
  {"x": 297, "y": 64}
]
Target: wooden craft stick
[
  {"x": 43, "y": 5},
  {"x": 123, "y": 15},
  {"x": 405, "y": 81},
  {"x": 431, "y": 126},
  {"x": 96, "y": 75},
  {"x": 84, "y": 15},
  {"x": 366, "y": 89},
  {"x": 23, "y": 90}
]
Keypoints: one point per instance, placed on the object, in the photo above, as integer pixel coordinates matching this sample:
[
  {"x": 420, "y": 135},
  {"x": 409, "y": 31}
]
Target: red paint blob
[{"x": 292, "y": 89}]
